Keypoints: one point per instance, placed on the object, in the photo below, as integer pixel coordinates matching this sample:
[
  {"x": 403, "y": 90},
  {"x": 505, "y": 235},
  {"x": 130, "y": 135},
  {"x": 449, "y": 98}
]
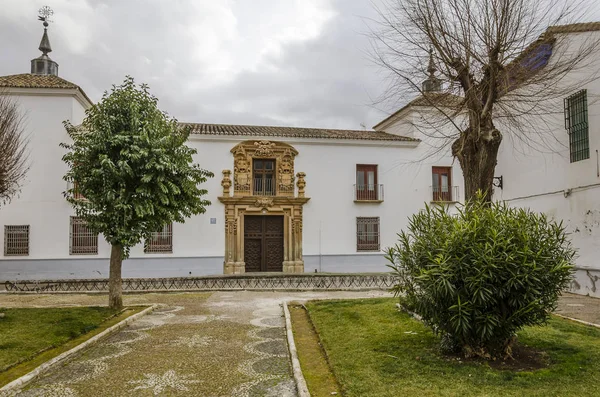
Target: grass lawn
[
  {"x": 375, "y": 350},
  {"x": 31, "y": 336}
]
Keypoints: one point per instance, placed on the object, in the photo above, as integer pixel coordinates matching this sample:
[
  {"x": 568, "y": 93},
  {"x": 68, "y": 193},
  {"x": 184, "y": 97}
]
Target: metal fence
[
  {"x": 368, "y": 192},
  {"x": 308, "y": 281}
]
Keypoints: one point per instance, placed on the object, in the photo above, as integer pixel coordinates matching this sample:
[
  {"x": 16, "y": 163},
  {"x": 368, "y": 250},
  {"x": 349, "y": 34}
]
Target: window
[
  {"x": 264, "y": 177},
  {"x": 441, "y": 183},
  {"x": 576, "y": 124},
  {"x": 160, "y": 242},
  {"x": 366, "y": 182},
  {"x": 76, "y": 193},
  {"x": 367, "y": 234},
  {"x": 83, "y": 240},
  {"x": 16, "y": 240}
]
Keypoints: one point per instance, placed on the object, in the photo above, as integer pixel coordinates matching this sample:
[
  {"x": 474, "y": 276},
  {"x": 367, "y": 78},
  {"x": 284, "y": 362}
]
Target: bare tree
[
  {"x": 13, "y": 149},
  {"x": 503, "y": 63}
]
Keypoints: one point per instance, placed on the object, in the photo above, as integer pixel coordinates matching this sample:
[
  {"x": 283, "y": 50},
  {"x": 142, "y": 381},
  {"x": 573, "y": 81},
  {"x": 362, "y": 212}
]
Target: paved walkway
[
  {"x": 199, "y": 344},
  {"x": 580, "y": 307}
]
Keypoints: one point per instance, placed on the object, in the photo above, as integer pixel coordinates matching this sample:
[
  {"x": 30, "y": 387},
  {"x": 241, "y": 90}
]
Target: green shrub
[{"x": 480, "y": 275}]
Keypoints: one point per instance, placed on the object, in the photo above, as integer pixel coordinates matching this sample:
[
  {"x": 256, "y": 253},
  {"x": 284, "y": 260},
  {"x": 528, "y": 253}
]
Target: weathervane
[{"x": 44, "y": 14}]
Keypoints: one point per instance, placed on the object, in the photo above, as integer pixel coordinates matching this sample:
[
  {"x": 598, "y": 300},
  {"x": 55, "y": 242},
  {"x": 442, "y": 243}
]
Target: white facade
[
  {"x": 538, "y": 176},
  {"x": 329, "y": 231},
  {"x": 544, "y": 179}
]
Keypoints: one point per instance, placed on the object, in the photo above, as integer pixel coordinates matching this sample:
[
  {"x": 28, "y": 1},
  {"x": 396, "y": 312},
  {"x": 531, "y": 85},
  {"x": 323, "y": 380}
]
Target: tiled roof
[
  {"x": 293, "y": 132},
  {"x": 438, "y": 99},
  {"x": 575, "y": 28},
  {"x": 28, "y": 80}
]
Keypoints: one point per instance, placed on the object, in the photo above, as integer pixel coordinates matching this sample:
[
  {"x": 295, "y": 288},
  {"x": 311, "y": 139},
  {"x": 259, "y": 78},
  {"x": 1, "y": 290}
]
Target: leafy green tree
[
  {"x": 129, "y": 161},
  {"x": 479, "y": 276}
]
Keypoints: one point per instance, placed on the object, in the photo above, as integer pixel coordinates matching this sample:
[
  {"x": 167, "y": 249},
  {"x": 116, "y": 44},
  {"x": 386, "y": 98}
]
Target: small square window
[
  {"x": 367, "y": 234},
  {"x": 16, "y": 240},
  {"x": 83, "y": 240},
  {"x": 160, "y": 242}
]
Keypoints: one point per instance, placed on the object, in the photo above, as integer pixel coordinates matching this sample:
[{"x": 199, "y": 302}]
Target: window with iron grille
[
  {"x": 576, "y": 123},
  {"x": 16, "y": 240},
  {"x": 83, "y": 240},
  {"x": 367, "y": 234},
  {"x": 160, "y": 242}
]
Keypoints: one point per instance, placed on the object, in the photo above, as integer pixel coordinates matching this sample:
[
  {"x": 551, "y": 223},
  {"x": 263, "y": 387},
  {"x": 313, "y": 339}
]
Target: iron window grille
[
  {"x": 160, "y": 242},
  {"x": 367, "y": 234},
  {"x": 16, "y": 240},
  {"x": 576, "y": 124},
  {"x": 82, "y": 240}
]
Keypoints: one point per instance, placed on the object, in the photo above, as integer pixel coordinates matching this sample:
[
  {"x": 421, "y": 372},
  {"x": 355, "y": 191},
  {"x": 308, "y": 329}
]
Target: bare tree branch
[
  {"x": 14, "y": 162},
  {"x": 509, "y": 61}
]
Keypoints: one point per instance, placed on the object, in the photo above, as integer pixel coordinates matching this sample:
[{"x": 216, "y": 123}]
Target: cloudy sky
[{"x": 273, "y": 62}]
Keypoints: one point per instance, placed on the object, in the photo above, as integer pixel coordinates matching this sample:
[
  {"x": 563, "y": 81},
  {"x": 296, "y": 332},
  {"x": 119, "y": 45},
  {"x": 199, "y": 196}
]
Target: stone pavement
[
  {"x": 580, "y": 307},
  {"x": 198, "y": 344}
]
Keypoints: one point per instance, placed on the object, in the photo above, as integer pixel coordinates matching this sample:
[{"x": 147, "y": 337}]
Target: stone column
[
  {"x": 298, "y": 260},
  {"x": 289, "y": 263}
]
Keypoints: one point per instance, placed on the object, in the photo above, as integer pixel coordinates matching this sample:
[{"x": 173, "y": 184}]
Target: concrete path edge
[
  {"x": 34, "y": 374},
  {"x": 296, "y": 369},
  {"x": 577, "y": 320}
]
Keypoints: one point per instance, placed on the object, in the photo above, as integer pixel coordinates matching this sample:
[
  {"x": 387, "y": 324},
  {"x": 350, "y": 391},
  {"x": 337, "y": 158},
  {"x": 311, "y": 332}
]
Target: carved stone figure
[
  {"x": 264, "y": 149},
  {"x": 286, "y": 172},
  {"x": 264, "y": 202}
]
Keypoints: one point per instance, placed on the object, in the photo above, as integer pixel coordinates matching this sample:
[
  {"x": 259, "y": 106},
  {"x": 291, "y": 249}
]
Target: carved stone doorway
[{"x": 263, "y": 243}]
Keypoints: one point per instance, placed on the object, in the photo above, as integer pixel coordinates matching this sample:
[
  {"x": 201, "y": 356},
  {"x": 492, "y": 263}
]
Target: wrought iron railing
[
  {"x": 264, "y": 187},
  {"x": 372, "y": 192},
  {"x": 444, "y": 194},
  {"x": 308, "y": 281}
]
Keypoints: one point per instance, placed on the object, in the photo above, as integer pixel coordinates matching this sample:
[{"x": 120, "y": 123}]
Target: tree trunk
[
  {"x": 477, "y": 154},
  {"x": 115, "y": 292}
]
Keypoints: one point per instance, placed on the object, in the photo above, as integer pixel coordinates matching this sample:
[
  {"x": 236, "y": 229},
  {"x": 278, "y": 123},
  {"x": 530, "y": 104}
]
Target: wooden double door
[{"x": 263, "y": 243}]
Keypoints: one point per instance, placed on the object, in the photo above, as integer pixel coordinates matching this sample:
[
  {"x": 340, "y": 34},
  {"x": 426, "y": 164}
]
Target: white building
[
  {"x": 297, "y": 199},
  {"x": 559, "y": 174},
  {"x": 300, "y": 199}
]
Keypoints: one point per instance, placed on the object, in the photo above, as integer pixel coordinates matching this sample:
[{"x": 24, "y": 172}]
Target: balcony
[
  {"x": 74, "y": 192},
  {"x": 448, "y": 194},
  {"x": 368, "y": 193}
]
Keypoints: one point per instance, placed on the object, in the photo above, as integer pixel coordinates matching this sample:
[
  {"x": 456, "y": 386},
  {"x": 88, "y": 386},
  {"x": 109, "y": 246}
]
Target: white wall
[
  {"x": 329, "y": 217},
  {"x": 540, "y": 176}
]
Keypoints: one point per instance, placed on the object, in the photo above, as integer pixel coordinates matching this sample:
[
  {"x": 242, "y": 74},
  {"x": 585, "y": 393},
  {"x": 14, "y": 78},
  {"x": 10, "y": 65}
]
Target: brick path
[{"x": 200, "y": 344}]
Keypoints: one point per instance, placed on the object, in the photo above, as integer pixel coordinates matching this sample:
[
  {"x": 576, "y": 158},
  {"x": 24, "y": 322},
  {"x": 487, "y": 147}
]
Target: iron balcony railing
[
  {"x": 368, "y": 192},
  {"x": 444, "y": 194},
  {"x": 264, "y": 187}
]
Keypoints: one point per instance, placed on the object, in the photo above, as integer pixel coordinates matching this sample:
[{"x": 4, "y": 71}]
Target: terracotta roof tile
[
  {"x": 28, "y": 80},
  {"x": 293, "y": 132}
]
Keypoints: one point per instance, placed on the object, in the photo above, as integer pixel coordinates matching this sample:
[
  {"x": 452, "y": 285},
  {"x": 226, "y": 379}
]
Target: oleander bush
[{"x": 479, "y": 275}]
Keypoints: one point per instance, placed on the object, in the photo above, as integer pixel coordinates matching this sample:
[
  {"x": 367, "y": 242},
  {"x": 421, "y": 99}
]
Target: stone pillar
[
  {"x": 226, "y": 183},
  {"x": 301, "y": 183},
  {"x": 298, "y": 260},
  {"x": 232, "y": 265},
  {"x": 289, "y": 263}
]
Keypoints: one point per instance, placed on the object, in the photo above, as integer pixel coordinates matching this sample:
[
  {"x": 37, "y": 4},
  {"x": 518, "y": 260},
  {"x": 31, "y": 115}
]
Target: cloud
[{"x": 295, "y": 62}]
